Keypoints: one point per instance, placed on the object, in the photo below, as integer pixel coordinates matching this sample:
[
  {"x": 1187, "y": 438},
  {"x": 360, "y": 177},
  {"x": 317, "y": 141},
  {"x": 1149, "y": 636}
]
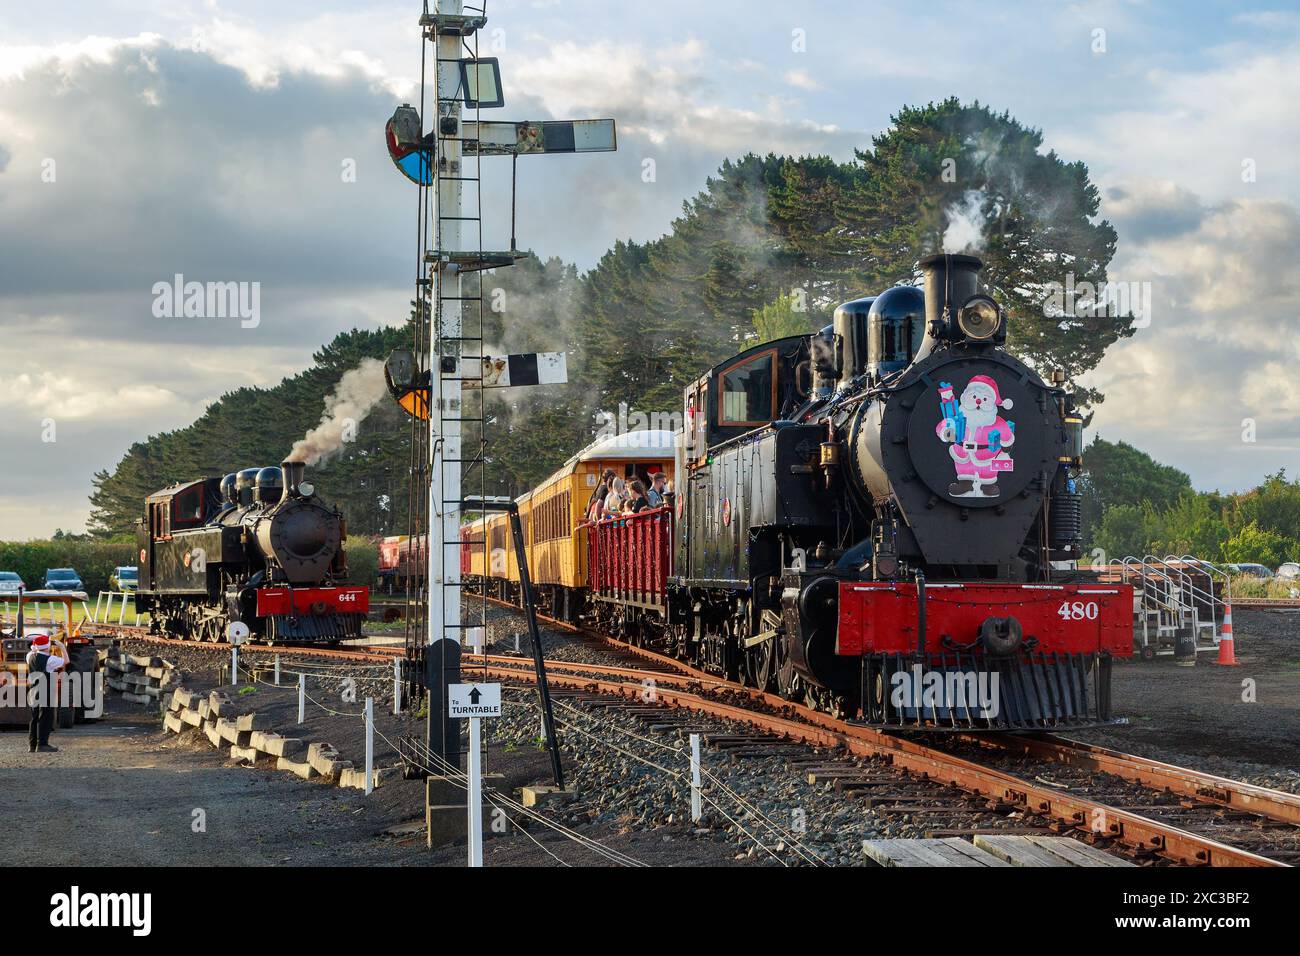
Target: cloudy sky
[{"x": 140, "y": 139}]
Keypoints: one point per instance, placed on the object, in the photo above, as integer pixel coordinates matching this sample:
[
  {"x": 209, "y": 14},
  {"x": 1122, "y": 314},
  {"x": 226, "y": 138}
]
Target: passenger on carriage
[
  {"x": 616, "y": 500},
  {"x": 638, "y": 501},
  {"x": 658, "y": 482},
  {"x": 596, "y": 506}
]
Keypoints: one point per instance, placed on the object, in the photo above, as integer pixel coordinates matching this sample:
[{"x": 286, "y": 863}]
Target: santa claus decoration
[{"x": 978, "y": 437}]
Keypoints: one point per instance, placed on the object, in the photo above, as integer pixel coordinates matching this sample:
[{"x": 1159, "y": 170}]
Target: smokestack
[
  {"x": 293, "y": 472},
  {"x": 949, "y": 281}
]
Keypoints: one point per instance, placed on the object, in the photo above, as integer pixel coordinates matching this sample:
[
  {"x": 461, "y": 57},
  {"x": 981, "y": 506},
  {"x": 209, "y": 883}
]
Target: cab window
[
  {"x": 187, "y": 508},
  {"x": 749, "y": 391}
]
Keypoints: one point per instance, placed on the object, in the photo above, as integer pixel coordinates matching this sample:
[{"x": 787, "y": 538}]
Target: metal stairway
[{"x": 1175, "y": 594}]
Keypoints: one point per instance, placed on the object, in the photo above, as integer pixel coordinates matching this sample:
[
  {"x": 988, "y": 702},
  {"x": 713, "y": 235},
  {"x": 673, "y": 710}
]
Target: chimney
[
  {"x": 949, "y": 281},
  {"x": 293, "y": 472}
]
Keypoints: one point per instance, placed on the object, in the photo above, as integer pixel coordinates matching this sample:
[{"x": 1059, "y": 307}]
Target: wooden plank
[
  {"x": 1018, "y": 851},
  {"x": 910, "y": 853},
  {"x": 968, "y": 849},
  {"x": 1076, "y": 853}
]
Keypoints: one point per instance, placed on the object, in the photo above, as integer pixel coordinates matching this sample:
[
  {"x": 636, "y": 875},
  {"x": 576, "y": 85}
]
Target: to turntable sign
[{"x": 474, "y": 700}]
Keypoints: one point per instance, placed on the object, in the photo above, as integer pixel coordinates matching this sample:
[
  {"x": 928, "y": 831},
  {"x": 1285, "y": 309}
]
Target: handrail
[{"x": 1212, "y": 569}]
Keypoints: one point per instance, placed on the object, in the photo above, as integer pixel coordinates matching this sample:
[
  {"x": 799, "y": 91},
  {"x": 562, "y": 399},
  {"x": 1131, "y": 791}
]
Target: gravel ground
[
  {"x": 126, "y": 793},
  {"x": 1197, "y": 716}
]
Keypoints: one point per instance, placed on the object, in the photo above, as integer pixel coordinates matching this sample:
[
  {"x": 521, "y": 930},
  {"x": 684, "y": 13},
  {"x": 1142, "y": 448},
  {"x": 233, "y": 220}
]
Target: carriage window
[{"x": 749, "y": 391}]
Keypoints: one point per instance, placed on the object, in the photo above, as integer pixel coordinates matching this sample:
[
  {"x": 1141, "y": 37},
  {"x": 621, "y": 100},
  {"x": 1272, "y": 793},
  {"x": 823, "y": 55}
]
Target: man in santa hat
[
  {"x": 42, "y": 664},
  {"x": 979, "y": 438}
]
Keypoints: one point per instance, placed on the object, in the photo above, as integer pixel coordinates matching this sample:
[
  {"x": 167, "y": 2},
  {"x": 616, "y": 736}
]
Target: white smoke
[
  {"x": 357, "y": 393},
  {"x": 965, "y": 230}
]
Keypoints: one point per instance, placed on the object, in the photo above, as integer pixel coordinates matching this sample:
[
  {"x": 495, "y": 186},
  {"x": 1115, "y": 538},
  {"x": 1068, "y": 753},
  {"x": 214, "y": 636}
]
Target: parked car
[
  {"x": 63, "y": 579},
  {"x": 124, "y": 579},
  {"x": 1289, "y": 571},
  {"x": 1251, "y": 570},
  {"x": 10, "y": 582}
]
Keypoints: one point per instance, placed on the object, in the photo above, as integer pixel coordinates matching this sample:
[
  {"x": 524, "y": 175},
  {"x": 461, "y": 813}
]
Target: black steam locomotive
[
  {"x": 256, "y": 548},
  {"x": 882, "y": 519}
]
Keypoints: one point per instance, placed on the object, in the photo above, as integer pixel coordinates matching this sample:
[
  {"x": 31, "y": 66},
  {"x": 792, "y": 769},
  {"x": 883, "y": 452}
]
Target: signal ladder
[{"x": 458, "y": 309}]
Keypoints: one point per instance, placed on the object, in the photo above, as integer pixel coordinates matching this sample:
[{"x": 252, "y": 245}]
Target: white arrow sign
[{"x": 474, "y": 700}]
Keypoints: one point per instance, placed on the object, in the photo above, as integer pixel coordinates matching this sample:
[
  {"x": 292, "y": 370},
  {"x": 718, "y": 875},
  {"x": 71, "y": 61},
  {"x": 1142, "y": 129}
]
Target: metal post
[
  {"x": 99, "y": 597},
  {"x": 445, "y": 386},
  {"x": 302, "y": 698},
  {"x": 397, "y": 685},
  {"x": 475, "y": 797},
  {"x": 370, "y": 745},
  {"x": 234, "y": 663},
  {"x": 277, "y": 670},
  {"x": 696, "y": 809},
  {"x": 539, "y": 662},
  {"x": 121, "y": 614}
]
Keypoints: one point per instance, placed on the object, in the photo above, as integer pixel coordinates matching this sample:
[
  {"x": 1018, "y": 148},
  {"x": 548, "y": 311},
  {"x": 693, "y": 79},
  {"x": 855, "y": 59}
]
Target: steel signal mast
[{"x": 446, "y": 163}]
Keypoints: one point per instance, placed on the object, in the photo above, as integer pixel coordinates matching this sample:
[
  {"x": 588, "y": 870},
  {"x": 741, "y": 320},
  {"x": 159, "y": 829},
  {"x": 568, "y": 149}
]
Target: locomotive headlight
[{"x": 979, "y": 318}]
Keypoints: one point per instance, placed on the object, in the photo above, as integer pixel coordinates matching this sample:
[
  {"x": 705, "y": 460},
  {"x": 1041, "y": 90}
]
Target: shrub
[
  {"x": 94, "y": 560},
  {"x": 363, "y": 559}
]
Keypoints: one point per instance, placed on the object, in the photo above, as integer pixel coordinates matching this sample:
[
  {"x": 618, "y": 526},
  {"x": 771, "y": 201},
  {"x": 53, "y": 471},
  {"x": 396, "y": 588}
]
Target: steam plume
[
  {"x": 965, "y": 231},
  {"x": 357, "y": 393}
]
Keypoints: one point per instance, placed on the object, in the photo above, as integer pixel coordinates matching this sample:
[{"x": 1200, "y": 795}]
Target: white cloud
[
  {"x": 801, "y": 80},
  {"x": 1224, "y": 339}
]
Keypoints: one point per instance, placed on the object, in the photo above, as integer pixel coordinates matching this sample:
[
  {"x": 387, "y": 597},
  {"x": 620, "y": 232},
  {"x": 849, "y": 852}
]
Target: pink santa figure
[{"x": 981, "y": 454}]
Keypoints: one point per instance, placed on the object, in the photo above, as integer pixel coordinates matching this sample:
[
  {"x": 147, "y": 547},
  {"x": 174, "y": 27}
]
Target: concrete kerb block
[
  {"x": 247, "y": 755},
  {"x": 274, "y": 744},
  {"x": 184, "y": 697},
  {"x": 251, "y": 722},
  {"x": 210, "y": 731},
  {"x": 539, "y": 795},
  {"x": 230, "y": 732},
  {"x": 326, "y": 760},
  {"x": 304, "y": 769},
  {"x": 356, "y": 778},
  {"x": 173, "y": 724}
]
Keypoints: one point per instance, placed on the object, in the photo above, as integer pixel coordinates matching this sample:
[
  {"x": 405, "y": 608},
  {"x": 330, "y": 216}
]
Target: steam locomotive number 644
[{"x": 257, "y": 547}]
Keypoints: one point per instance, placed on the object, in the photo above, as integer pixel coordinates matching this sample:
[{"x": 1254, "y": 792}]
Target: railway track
[
  {"x": 1291, "y": 604},
  {"x": 1157, "y": 802},
  {"x": 1153, "y": 810}
]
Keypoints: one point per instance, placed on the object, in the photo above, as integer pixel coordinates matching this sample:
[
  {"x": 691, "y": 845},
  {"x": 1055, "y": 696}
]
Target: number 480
[{"x": 1078, "y": 611}]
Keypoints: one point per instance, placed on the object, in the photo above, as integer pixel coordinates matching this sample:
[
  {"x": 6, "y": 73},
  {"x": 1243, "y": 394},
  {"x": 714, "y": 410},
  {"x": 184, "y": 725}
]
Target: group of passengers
[{"x": 616, "y": 497}]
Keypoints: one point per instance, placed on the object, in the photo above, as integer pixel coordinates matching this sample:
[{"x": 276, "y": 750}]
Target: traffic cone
[{"x": 1226, "y": 655}]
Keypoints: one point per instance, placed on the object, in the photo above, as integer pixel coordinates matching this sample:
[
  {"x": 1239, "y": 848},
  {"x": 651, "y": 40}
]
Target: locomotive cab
[{"x": 755, "y": 388}]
